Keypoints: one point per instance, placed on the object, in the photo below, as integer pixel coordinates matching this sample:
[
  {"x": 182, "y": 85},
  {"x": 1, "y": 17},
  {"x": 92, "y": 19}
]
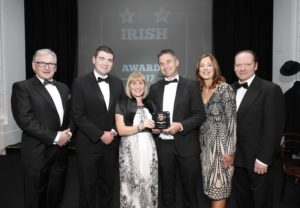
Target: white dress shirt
[
  {"x": 104, "y": 87},
  {"x": 53, "y": 91},
  {"x": 168, "y": 103},
  {"x": 240, "y": 93}
]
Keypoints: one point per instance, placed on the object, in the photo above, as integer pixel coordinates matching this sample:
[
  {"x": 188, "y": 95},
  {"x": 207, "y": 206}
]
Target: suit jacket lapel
[
  {"x": 252, "y": 92},
  {"x": 179, "y": 92},
  {"x": 97, "y": 89},
  {"x": 64, "y": 97},
  {"x": 160, "y": 95},
  {"x": 43, "y": 91},
  {"x": 111, "y": 93}
]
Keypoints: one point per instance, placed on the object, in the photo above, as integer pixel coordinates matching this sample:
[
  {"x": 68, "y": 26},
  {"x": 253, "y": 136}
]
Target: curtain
[
  {"x": 240, "y": 25},
  {"x": 52, "y": 24}
]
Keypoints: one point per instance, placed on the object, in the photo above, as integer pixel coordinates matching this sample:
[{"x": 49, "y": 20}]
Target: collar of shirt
[
  {"x": 176, "y": 77},
  {"x": 104, "y": 87},
  {"x": 240, "y": 93},
  {"x": 99, "y": 75},
  {"x": 249, "y": 81},
  {"x": 42, "y": 80}
]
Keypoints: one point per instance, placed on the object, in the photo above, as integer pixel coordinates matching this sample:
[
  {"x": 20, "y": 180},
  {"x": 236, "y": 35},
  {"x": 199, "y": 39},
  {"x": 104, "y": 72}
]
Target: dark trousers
[
  {"x": 250, "y": 190},
  {"x": 96, "y": 178},
  {"x": 189, "y": 173},
  {"x": 44, "y": 188}
]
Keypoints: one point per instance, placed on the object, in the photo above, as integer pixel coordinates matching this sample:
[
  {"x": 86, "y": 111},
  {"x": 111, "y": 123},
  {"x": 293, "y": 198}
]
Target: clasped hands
[
  {"x": 108, "y": 136},
  {"x": 64, "y": 137}
]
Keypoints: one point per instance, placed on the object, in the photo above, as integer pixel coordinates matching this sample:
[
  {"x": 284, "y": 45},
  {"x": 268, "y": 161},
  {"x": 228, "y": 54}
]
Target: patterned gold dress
[{"x": 218, "y": 136}]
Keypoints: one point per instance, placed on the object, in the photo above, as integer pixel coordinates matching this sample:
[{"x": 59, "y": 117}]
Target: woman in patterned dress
[
  {"x": 218, "y": 132},
  {"x": 137, "y": 151}
]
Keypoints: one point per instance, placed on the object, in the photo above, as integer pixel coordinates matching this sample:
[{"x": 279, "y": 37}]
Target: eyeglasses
[{"x": 43, "y": 64}]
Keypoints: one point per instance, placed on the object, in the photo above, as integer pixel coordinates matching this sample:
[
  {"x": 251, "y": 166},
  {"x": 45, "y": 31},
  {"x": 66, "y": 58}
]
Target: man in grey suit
[
  {"x": 40, "y": 108},
  {"x": 94, "y": 98},
  {"x": 178, "y": 146},
  {"x": 260, "y": 123}
]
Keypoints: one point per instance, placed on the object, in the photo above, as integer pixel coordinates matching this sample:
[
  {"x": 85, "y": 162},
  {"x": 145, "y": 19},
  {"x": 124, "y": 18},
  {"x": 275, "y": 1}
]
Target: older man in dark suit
[
  {"x": 178, "y": 146},
  {"x": 260, "y": 123},
  {"x": 40, "y": 108},
  {"x": 94, "y": 98}
]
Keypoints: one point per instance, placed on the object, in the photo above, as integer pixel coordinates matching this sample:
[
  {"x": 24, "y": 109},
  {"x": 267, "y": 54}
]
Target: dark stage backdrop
[
  {"x": 240, "y": 25},
  {"x": 52, "y": 24},
  {"x": 138, "y": 29}
]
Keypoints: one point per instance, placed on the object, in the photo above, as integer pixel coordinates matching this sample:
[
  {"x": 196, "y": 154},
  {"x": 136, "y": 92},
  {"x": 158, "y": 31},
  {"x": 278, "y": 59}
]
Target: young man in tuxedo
[
  {"x": 94, "y": 98},
  {"x": 178, "y": 146},
  {"x": 260, "y": 123},
  {"x": 40, "y": 108}
]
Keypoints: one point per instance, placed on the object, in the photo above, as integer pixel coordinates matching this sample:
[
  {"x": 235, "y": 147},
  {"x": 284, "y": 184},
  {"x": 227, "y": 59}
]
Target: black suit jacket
[
  {"x": 90, "y": 113},
  {"x": 292, "y": 109},
  {"x": 260, "y": 123},
  {"x": 188, "y": 110},
  {"x": 35, "y": 113}
]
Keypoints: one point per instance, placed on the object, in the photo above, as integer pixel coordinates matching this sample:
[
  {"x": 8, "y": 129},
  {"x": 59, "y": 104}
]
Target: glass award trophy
[{"x": 162, "y": 120}]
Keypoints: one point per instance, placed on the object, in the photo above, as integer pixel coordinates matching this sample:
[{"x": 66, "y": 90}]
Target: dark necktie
[
  {"x": 103, "y": 80},
  {"x": 168, "y": 82},
  {"x": 49, "y": 82},
  {"x": 239, "y": 85}
]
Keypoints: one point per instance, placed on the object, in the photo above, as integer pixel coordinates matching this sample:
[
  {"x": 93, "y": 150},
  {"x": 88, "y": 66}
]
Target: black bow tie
[
  {"x": 103, "y": 80},
  {"x": 239, "y": 85},
  {"x": 49, "y": 82},
  {"x": 168, "y": 82}
]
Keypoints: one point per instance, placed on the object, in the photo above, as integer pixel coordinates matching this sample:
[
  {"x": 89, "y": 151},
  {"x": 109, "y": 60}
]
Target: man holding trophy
[{"x": 180, "y": 112}]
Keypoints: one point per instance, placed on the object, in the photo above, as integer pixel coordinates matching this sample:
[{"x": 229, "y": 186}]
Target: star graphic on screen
[
  {"x": 161, "y": 15},
  {"x": 126, "y": 16}
]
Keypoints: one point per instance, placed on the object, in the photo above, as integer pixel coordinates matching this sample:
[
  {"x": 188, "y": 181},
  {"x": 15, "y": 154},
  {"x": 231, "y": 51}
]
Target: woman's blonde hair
[{"x": 133, "y": 77}]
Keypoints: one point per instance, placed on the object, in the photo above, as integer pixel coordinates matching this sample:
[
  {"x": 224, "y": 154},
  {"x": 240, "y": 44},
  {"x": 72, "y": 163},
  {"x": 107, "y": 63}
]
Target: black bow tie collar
[
  {"x": 103, "y": 80},
  {"x": 239, "y": 85},
  {"x": 171, "y": 81},
  {"x": 49, "y": 82}
]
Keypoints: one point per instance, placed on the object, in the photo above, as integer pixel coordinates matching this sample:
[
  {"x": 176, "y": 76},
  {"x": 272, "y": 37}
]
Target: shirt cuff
[
  {"x": 70, "y": 133},
  {"x": 114, "y": 131},
  {"x": 260, "y": 162},
  {"x": 181, "y": 127},
  {"x": 57, "y": 138}
]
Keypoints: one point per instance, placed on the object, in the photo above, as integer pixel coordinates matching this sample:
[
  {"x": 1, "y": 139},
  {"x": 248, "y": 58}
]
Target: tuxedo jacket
[
  {"x": 260, "y": 123},
  {"x": 35, "y": 113},
  {"x": 188, "y": 110},
  {"x": 90, "y": 113}
]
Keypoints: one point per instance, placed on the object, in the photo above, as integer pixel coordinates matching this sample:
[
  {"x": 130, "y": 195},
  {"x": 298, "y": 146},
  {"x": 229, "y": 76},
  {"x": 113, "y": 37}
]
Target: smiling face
[
  {"x": 44, "y": 65},
  {"x": 168, "y": 65},
  {"x": 244, "y": 66},
  {"x": 103, "y": 62},
  {"x": 137, "y": 87},
  {"x": 206, "y": 69}
]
